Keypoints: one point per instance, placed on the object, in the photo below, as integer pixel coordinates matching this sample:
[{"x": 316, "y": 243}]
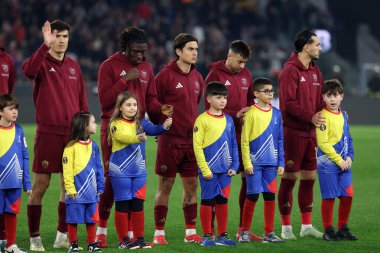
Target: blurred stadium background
[{"x": 347, "y": 30}]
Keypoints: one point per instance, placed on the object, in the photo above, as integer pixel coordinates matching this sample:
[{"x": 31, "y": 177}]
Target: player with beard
[{"x": 300, "y": 88}]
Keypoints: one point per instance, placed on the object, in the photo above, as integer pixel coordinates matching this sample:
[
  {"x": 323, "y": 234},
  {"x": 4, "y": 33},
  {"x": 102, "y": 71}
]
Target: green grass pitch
[{"x": 364, "y": 220}]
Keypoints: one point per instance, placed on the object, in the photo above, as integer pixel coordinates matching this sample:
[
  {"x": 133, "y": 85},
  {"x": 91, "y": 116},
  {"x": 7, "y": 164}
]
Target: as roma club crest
[
  {"x": 5, "y": 67},
  {"x": 290, "y": 163},
  {"x": 144, "y": 74},
  {"x": 45, "y": 164},
  {"x": 72, "y": 71}
]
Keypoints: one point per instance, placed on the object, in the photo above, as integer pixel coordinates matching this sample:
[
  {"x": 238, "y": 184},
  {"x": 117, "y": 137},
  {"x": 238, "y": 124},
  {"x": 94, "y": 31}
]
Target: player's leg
[
  {"x": 294, "y": 148},
  {"x": 305, "y": 192},
  {"x": 107, "y": 198},
  {"x": 40, "y": 184},
  {"x": 61, "y": 240},
  {"x": 166, "y": 169},
  {"x": 189, "y": 175},
  {"x": 347, "y": 193}
]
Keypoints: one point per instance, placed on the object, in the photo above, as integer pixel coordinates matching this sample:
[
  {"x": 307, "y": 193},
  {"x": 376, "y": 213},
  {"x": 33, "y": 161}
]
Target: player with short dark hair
[
  {"x": 238, "y": 81},
  {"x": 125, "y": 70},
  {"x": 335, "y": 155},
  {"x": 300, "y": 88},
  {"x": 14, "y": 170},
  {"x": 58, "y": 93},
  {"x": 180, "y": 85},
  {"x": 216, "y": 151}
]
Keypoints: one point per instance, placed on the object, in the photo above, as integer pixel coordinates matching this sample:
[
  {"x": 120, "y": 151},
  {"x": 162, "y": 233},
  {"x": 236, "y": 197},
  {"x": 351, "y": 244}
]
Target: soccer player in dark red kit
[
  {"x": 58, "y": 93},
  {"x": 125, "y": 70},
  {"x": 180, "y": 85},
  {"x": 238, "y": 81},
  {"x": 300, "y": 84},
  {"x": 7, "y": 70},
  {"x": 7, "y": 83}
]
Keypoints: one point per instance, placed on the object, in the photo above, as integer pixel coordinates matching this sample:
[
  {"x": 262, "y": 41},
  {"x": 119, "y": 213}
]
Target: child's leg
[
  {"x": 269, "y": 211},
  {"x": 327, "y": 210},
  {"x": 137, "y": 215},
  {"x": 221, "y": 212},
  {"x": 11, "y": 226},
  {"x": 249, "y": 208},
  {"x": 91, "y": 232},
  {"x": 73, "y": 232},
  {"x": 269, "y": 177},
  {"x": 206, "y": 215},
  {"x": 346, "y": 195},
  {"x": 122, "y": 208}
]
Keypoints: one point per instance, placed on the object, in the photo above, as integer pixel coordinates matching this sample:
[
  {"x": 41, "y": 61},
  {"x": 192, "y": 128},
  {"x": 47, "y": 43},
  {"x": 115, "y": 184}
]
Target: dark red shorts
[
  {"x": 48, "y": 151},
  {"x": 300, "y": 153},
  {"x": 176, "y": 158}
]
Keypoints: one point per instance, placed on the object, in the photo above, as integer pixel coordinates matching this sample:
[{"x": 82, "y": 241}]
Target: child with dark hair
[
  {"x": 216, "y": 152},
  {"x": 263, "y": 158},
  {"x": 84, "y": 180},
  {"x": 14, "y": 172},
  {"x": 334, "y": 159}
]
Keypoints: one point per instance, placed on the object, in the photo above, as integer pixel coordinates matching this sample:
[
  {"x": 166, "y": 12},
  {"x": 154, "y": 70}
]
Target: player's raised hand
[
  {"x": 167, "y": 110},
  {"x": 168, "y": 122},
  {"x": 49, "y": 36},
  {"x": 131, "y": 74},
  {"x": 142, "y": 137},
  {"x": 249, "y": 171}
]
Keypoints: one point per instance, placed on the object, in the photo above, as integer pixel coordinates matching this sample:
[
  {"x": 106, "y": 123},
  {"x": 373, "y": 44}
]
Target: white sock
[
  {"x": 130, "y": 234},
  {"x": 286, "y": 227},
  {"x": 190, "y": 231},
  {"x": 159, "y": 232},
  {"x": 101, "y": 231},
  {"x": 306, "y": 226},
  {"x": 61, "y": 236}
]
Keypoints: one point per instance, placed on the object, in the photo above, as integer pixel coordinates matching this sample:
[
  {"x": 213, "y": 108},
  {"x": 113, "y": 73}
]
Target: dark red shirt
[
  {"x": 239, "y": 86},
  {"x": 300, "y": 95},
  {"x": 111, "y": 84},
  {"x": 183, "y": 91},
  {"x": 7, "y": 73},
  {"x": 58, "y": 91}
]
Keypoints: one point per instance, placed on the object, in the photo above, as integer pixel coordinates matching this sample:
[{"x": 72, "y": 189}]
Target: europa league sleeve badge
[{"x": 322, "y": 127}]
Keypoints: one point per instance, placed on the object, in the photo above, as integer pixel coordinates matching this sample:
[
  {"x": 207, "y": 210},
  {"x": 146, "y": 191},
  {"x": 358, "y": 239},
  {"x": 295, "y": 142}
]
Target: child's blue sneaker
[
  {"x": 208, "y": 240},
  {"x": 224, "y": 240}
]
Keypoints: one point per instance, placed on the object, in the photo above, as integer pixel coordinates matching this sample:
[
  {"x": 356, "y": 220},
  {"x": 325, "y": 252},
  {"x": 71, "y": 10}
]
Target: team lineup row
[{"x": 220, "y": 143}]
